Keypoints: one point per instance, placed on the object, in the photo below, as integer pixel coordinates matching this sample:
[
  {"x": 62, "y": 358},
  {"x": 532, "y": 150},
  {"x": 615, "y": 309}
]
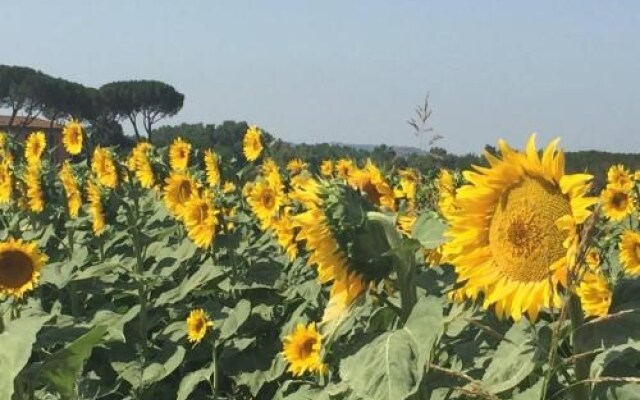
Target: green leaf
[
  {"x": 514, "y": 359},
  {"x": 393, "y": 364},
  {"x": 191, "y": 381},
  {"x": 532, "y": 393},
  {"x": 429, "y": 230},
  {"x": 236, "y": 318},
  {"x": 17, "y": 341},
  {"x": 163, "y": 363},
  {"x": 62, "y": 369},
  {"x": 203, "y": 275}
]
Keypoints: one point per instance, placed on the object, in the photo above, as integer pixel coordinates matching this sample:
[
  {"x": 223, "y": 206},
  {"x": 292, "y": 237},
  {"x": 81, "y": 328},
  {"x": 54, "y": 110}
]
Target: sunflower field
[{"x": 171, "y": 273}]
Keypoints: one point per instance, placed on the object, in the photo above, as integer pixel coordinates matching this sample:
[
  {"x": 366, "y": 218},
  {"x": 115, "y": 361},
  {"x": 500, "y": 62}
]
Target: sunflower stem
[
  {"x": 134, "y": 217},
  {"x": 214, "y": 376},
  {"x": 582, "y": 363},
  {"x": 72, "y": 285}
]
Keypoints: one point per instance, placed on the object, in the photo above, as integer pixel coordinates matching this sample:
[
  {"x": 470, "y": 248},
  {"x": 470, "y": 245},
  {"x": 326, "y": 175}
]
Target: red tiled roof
[{"x": 38, "y": 123}]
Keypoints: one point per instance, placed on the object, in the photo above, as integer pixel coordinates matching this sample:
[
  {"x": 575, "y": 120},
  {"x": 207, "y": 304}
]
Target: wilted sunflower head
[
  {"x": 509, "y": 225},
  {"x": 302, "y": 350},
  {"x": 198, "y": 324},
  {"x": 104, "y": 167},
  {"x": 617, "y": 202},
  {"x": 630, "y": 252},
  {"x": 252, "y": 144},
  {"x": 620, "y": 176},
  {"x": 179, "y": 187},
  {"x": 20, "y": 265},
  {"x": 179, "y": 153},
  {"x": 36, "y": 143},
  {"x": 72, "y": 137},
  {"x": 212, "y": 168}
]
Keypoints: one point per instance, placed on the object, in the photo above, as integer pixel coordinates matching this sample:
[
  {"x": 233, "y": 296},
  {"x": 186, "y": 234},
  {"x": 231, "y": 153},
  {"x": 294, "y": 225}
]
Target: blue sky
[{"x": 352, "y": 71}]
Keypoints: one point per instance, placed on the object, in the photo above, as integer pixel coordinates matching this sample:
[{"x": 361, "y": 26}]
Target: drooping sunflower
[
  {"x": 374, "y": 185},
  {"x": 34, "y": 147},
  {"x": 252, "y": 143},
  {"x": 620, "y": 176},
  {"x": 72, "y": 192},
  {"x": 198, "y": 324},
  {"x": 178, "y": 190},
  {"x": 295, "y": 166},
  {"x": 96, "y": 209},
  {"x": 72, "y": 137},
  {"x": 104, "y": 167},
  {"x": 302, "y": 350},
  {"x": 140, "y": 164},
  {"x": 265, "y": 201},
  {"x": 595, "y": 294},
  {"x": 326, "y": 168},
  {"x": 33, "y": 183},
  {"x": 20, "y": 265},
  {"x": 630, "y": 252},
  {"x": 6, "y": 182},
  {"x": 179, "y": 153},
  {"x": 200, "y": 219},
  {"x": 344, "y": 168},
  {"x": 212, "y": 168},
  {"x": 508, "y": 229},
  {"x": 617, "y": 202}
]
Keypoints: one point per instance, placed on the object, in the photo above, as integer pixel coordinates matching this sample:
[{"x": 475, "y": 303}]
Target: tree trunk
[{"x": 135, "y": 127}]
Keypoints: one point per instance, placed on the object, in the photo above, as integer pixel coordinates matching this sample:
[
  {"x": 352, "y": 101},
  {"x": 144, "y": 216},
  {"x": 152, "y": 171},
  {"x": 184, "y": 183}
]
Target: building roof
[{"x": 37, "y": 123}]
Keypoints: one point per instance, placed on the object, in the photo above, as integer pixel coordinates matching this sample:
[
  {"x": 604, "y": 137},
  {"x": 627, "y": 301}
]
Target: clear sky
[{"x": 352, "y": 71}]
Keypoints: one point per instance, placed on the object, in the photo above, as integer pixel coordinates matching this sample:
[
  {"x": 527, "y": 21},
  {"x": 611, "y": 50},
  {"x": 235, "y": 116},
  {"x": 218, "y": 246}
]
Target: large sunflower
[
  {"x": 35, "y": 145},
  {"x": 20, "y": 265},
  {"x": 33, "y": 183},
  {"x": 252, "y": 144},
  {"x": 200, "y": 219},
  {"x": 6, "y": 182},
  {"x": 617, "y": 202},
  {"x": 178, "y": 190},
  {"x": 508, "y": 230},
  {"x": 104, "y": 167},
  {"x": 302, "y": 350},
  {"x": 140, "y": 164},
  {"x": 212, "y": 167},
  {"x": 630, "y": 252},
  {"x": 96, "y": 209},
  {"x": 179, "y": 153},
  {"x": 198, "y": 324},
  {"x": 265, "y": 201},
  {"x": 72, "y": 137},
  {"x": 595, "y": 294},
  {"x": 72, "y": 192}
]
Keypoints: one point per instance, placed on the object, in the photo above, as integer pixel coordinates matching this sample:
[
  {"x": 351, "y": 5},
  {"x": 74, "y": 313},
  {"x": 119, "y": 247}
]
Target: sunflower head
[
  {"x": 199, "y": 217},
  {"x": 630, "y": 252},
  {"x": 265, "y": 201},
  {"x": 140, "y": 164},
  {"x": 592, "y": 259},
  {"x": 620, "y": 176},
  {"x": 326, "y": 168},
  {"x": 179, "y": 153},
  {"x": 198, "y": 324},
  {"x": 20, "y": 265},
  {"x": 617, "y": 202},
  {"x": 72, "y": 192},
  {"x": 33, "y": 184},
  {"x": 35, "y": 146},
  {"x": 72, "y": 137},
  {"x": 370, "y": 181},
  {"x": 252, "y": 143},
  {"x": 344, "y": 168},
  {"x": 302, "y": 350},
  {"x": 104, "y": 167},
  {"x": 6, "y": 182},
  {"x": 509, "y": 226},
  {"x": 408, "y": 185},
  {"x": 446, "y": 191},
  {"x": 179, "y": 187},
  {"x": 96, "y": 209},
  {"x": 296, "y": 166},
  {"x": 212, "y": 168},
  {"x": 595, "y": 294}
]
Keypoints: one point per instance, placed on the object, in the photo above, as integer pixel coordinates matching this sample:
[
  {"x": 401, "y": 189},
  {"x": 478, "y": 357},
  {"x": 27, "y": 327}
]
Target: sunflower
[
  {"x": 508, "y": 229},
  {"x": 33, "y": 183},
  {"x": 326, "y": 168},
  {"x": 405, "y": 222},
  {"x": 179, "y": 153},
  {"x": 178, "y": 190},
  {"x": 198, "y": 324},
  {"x": 20, "y": 265},
  {"x": 72, "y": 137},
  {"x": 285, "y": 234},
  {"x": 595, "y": 294},
  {"x": 592, "y": 258},
  {"x": 344, "y": 168},
  {"x": 200, "y": 219},
  {"x": 618, "y": 175},
  {"x": 271, "y": 172},
  {"x": 302, "y": 350},
  {"x": 70, "y": 185},
  {"x": 6, "y": 182},
  {"x": 35, "y": 145},
  {"x": 408, "y": 185},
  {"x": 104, "y": 167},
  {"x": 630, "y": 252},
  {"x": 373, "y": 184},
  {"x": 295, "y": 166},
  {"x": 212, "y": 168},
  {"x": 446, "y": 191},
  {"x": 251, "y": 144},
  {"x": 140, "y": 164},
  {"x": 96, "y": 210},
  {"x": 228, "y": 187},
  {"x": 617, "y": 202},
  {"x": 265, "y": 201}
]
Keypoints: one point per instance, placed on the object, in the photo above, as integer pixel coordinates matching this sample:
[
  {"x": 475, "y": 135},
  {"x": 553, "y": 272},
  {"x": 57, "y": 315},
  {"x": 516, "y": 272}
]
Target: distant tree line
[{"x": 29, "y": 94}]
